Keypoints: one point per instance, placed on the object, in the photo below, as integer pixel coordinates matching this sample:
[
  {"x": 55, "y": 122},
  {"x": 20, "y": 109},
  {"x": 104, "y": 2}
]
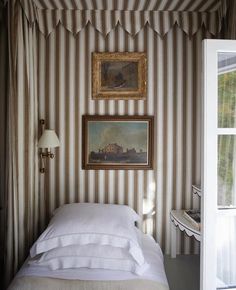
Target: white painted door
[{"x": 218, "y": 205}]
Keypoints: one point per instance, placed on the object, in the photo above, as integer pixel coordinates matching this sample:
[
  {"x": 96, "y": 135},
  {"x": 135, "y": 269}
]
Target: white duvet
[{"x": 152, "y": 254}]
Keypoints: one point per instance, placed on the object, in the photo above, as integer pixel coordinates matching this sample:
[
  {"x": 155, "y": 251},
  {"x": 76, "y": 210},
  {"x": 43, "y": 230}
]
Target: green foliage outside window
[{"x": 226, "y": 143}]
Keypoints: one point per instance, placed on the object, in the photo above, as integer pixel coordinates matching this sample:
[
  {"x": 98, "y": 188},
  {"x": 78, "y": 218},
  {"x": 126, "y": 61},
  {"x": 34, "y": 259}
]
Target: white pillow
[
  {"x": 89, "y": 256},
  {"x": 91, "y": 223}
]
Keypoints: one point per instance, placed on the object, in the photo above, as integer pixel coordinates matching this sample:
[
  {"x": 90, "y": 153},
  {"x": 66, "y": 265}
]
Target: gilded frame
[
  {"x": 124, "y": 160},
  {"x": 136, "y": 63}
]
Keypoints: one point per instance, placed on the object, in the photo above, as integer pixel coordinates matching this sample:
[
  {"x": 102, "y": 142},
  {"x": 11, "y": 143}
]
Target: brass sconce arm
[{"x": 47, "y": 154}]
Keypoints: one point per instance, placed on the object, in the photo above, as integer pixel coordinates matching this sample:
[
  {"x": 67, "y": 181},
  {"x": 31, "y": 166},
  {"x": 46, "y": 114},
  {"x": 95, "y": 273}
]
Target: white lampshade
[{"x": 49, "y": 139}]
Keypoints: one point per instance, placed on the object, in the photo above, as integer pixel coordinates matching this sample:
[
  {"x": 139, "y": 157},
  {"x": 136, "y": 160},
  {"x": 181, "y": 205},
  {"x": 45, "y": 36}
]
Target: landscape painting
[
  {"x": 117, "y": 142},
  {"x": 119, "y": 75}
]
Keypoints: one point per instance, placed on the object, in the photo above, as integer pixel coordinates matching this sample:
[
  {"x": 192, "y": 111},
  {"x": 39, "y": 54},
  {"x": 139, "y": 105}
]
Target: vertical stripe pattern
[
  {"x": 131, "y": 21},
  {"x": 181, "y": 5},
  {"x": 50, "y": 78},
  {"x": 22, "y": 135},
  {"x": 3, "y": 108},
  {"x": 174, "y": 65}
]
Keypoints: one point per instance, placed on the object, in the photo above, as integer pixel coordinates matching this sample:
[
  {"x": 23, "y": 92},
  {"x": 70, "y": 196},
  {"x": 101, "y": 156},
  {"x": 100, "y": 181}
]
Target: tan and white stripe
[
  {"x": 53, "y": 81},
  {"x": 132, "y": 21},
  {"x": 173, "y": 5},
  {"x": 174, "y": 66},
  {"x": 3, "y": 103},
  {"x": 3, "y": 109}
]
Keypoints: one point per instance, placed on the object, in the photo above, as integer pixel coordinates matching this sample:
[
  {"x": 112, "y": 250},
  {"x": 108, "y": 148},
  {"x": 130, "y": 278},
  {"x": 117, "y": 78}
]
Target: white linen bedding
[
  {"x": 91, "y": 223},
  {"x": 155, "y": 274},
  {"x": 39, "y": 283},
  {"x": 89, "y": 256}
]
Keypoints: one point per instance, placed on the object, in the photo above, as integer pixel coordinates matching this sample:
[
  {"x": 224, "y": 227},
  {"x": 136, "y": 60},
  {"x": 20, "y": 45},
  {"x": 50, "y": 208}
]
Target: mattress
[{"x": 37, "y": 278}]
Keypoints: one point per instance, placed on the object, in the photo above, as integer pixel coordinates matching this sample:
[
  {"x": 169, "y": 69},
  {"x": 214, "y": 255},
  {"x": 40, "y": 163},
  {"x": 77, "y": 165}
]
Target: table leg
[{"x": 173, "y": 240}]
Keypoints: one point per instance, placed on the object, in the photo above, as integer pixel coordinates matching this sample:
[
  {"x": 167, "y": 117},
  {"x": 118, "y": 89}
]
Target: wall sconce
[{"x": 48, "y": 140}]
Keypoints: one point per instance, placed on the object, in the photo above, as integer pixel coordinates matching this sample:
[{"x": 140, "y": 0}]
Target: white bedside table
[{"x": 179, "y": 221}]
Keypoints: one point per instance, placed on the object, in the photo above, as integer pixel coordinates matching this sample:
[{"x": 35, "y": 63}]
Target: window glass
[
  {"x": 226, "y": 171},
  {"x": 226, "y": 249},
  {"x": 226, "y": 90}
]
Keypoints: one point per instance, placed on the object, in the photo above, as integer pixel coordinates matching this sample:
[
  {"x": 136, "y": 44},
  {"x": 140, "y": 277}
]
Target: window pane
[
  {"x": 226, "y": 90},
  {"x": 226, "y": 249},
  {"x": 226, "y": 170}
]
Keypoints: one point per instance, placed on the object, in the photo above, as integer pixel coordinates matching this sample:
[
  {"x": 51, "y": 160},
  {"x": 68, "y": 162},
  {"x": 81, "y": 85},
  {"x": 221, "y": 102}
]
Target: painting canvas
[
  {"x": 119, "y": 75},
  {"x": 117, "y": 142}
]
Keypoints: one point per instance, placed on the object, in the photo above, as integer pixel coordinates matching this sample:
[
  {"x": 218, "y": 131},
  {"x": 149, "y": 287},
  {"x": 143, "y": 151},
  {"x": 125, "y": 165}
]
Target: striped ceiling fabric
[
  {"x": 141, "y": 5},
  {"x": 74, "y": 15},
  {"x": 131, "y": 21}
]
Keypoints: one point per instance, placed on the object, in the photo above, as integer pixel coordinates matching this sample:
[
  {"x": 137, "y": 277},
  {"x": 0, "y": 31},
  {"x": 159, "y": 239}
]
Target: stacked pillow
[{"x": 89, "y": 235}]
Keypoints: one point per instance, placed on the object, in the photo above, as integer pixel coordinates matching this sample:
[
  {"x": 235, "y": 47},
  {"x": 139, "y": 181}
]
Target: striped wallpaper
[
  {"x": 3, "y": 107},
  {"x": 50, "y": 78},
  {"x": 174, "y": 93},
  {"x": 3, "y": 90}
]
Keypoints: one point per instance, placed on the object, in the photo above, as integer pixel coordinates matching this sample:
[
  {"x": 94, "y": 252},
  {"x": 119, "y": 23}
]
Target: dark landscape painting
[{"x": 119, "y": 75}]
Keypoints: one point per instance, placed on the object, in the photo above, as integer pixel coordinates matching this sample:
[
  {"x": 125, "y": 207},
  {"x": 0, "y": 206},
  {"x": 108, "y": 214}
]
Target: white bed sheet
[{"x": 152, "y": 254}]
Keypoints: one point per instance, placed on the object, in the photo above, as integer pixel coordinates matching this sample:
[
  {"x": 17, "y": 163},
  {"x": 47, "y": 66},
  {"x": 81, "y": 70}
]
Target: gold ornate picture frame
[
  {"x": 119, "y": 75},
  {"x": 117, "y": 142}
]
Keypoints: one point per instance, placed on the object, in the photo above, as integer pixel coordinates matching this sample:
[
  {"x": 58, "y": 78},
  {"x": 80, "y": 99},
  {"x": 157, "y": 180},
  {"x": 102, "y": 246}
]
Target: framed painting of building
[
  {"x": 117, "y": 142},
  {"x": 119, "y": 75}
]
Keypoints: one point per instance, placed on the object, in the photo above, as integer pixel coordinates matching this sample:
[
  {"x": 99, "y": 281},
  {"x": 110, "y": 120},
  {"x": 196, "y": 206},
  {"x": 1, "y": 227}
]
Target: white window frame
[{"x": 210, "y": 134}]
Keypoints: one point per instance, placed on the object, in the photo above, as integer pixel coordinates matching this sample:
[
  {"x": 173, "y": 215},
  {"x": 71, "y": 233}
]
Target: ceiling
[{"x": 161, "y": 5}]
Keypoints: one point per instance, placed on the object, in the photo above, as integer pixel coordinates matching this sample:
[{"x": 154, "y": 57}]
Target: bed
[{"x": 93, "y": 246}]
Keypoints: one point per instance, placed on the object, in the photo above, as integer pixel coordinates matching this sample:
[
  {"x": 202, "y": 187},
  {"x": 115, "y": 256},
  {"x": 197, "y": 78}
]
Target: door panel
[{"x": 218, "y": 204}]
